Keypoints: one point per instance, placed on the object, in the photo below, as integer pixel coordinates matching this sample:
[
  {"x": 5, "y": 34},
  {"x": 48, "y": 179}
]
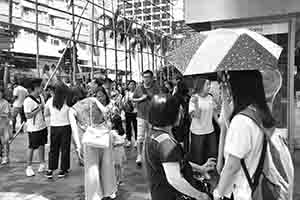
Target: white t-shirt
[
  {"x": 38, "y": 122},
  {"x": 203, "y": 107},
  {"x": 58, "y": 117},
  {"x": 244, "y": 139},
  {"x": 129, "y": 96},
  {"x": 21, "y": 93}
]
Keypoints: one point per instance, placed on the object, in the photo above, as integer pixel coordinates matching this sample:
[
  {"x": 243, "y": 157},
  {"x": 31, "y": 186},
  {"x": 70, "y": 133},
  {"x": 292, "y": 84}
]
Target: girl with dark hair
[
  {"x": 203, "y": 144},
  {"x": 60, "y": 140},
  {"x": 169, "y": 86},
  {"x": 130, "y": 113},
  {"x": 181, "y": 131},
  {"x": 168, "y": 177},
  {"x": 244, "y": 139}
]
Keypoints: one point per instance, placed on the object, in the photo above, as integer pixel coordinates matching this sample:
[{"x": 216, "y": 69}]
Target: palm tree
[
  {"x": 112, "y": 27},
  {"x": 139, "y": 40},
  {"x": 123, "y": 31}
]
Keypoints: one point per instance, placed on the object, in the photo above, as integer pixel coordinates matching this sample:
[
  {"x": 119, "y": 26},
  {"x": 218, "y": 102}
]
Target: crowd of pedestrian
[{"x": 177, "y": 132}]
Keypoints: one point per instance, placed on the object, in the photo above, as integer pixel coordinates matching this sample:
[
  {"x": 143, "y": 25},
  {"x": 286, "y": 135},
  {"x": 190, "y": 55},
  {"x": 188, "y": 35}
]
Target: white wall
[{"x": 217, "y": 10}]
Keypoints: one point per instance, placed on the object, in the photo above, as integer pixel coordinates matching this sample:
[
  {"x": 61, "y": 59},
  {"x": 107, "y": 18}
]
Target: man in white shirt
[
  {"x": 19, "y": 95},
  {"x": 36, "y": 125}
]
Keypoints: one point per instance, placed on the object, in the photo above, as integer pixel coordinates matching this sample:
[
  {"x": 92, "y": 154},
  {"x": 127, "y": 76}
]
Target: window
[
  {"x": 156, "y": 16},
  {"x": 147, "y": 3},
  {"x": 147, "y": 10},
  {"x": 128, "y": 13},
  {"x": 128, "y": 5},
  {"x": 166, "y": 23},
  {"x": 156, "y": 1},
  {"x": 167, "y": 30},
  {"x": 165, "y": 16},
  {"x": 148, "y": 17},
  {"x": 138, "y": 11},
  {"x": 156, "y": 9},
  {"x": 137, "y": 4},
  {"x": 51, "y": 19},
  {"x": 156, "y": 24},
  {"x": 166, "y": 8},
  {"x": 55, "y": 42}
]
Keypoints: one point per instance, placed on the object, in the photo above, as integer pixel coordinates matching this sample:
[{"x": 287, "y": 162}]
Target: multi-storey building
[
  {"x": 51, "y": 23},
  {"x": 158, "y": 14}
]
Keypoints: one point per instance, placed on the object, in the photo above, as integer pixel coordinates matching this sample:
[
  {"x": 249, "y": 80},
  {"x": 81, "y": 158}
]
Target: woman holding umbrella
[{"x": 244, "y": 139}]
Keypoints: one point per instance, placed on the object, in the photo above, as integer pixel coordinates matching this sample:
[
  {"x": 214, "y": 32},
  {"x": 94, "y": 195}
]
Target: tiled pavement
[{"x": 14, "y": 185}]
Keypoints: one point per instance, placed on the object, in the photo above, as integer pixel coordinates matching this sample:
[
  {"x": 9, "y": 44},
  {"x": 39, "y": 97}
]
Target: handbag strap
[{"x": 253, "y": 182}]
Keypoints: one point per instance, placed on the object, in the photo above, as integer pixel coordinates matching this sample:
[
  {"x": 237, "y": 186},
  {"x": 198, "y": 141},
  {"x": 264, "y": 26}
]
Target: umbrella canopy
[
  {"x": 226, "y": 50},
  {"x": 181, "y": 56}
]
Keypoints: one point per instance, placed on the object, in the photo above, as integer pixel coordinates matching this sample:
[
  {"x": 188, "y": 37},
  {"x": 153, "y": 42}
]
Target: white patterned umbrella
[{"x": 225, "y": 50}]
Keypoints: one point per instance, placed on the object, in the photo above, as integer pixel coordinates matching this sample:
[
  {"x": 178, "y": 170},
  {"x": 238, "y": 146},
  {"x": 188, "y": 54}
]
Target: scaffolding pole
[
  {"x": 37, "y": 37},
  {"x": 104, "y": 37},
  {"x": 125, "y": 46},
  {"x": 93, "y": 42},
  {"x": 7, "y": 63},
  {"x": 73, "y": 44}
]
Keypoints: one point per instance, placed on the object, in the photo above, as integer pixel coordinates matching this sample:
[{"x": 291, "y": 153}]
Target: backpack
[{"x": 273, "y": 179}]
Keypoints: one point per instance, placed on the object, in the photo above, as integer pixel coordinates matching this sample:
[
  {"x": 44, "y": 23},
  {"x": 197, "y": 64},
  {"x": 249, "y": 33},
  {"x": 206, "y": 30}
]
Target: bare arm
[
  {"x": 34, "y": 112},
  {"x": 231, "y": 168},
  {"x": 74, "y": 126},
  {"x": 208, "y": 166},
  {"x": 174, "y": 178},
  {"x": 138, "y": 100}
]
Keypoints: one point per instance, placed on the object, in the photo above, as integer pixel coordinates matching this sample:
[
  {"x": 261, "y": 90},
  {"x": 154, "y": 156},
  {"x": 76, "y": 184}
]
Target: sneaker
[
  {"x": 49, "y": 174},
  {"x": 42, "y": 168},
  {"x": 127, "y": 143},
  {"x": 4, "y": 161},
  {"x": 62, "y": 174},
  {"x": 113, "y": 196},
  {"x": 139, "y": 160},
  {"x": 29, "y": 171}
]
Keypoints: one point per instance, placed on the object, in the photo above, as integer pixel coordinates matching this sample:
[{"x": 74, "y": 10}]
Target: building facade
[
  {"x": 157, "y": 14},
  {"x": 279, "y": 21},
  {"x": 55, "y": 29}
]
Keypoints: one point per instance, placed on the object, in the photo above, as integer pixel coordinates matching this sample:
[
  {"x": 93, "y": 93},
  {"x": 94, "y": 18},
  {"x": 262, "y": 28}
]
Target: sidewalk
[{"x": 14, "y": 185}]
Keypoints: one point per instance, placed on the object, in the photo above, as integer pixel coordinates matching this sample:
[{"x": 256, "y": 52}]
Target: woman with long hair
[
  {"x": 60, "y": 140},
  {"x": 203, "y": 144},
  {"x": 181, "y": 131},
  {"x": 99, "y": 174},
  {"x": 244, "y": 139}
]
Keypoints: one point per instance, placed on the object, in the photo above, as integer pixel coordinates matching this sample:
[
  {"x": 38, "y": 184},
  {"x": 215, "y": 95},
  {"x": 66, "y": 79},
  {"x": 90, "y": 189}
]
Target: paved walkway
[{"x": 14, "y": 185}]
